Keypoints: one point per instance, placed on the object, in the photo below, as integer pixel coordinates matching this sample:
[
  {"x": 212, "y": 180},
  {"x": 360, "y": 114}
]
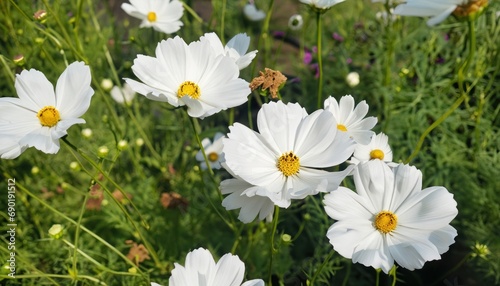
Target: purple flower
[{"x": 337, "y": 37}]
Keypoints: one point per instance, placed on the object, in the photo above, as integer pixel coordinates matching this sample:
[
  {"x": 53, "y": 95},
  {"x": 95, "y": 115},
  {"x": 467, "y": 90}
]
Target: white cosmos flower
[
  {"x": 390, "y": 218},
  {"x": 123, "y": 95},
  {"x": 252, "y": 13},
  {"x": 242, "y": 196},
  {"x": 437, "y": 10},
  {"x": 193, "y": 75},
  {"x": 283, "y": 159},
  {"x": 378, "y": 148},
  {"x": 213, "y": 152},
  {"x": 200, "y": 269},
  {"x": 40, "y": 116},
  {"x": 351, "y": 120},
  {"x": 163, "y": 15},
  {"x": 236, "y": 48},
  {"x": 321, "y": 4}
]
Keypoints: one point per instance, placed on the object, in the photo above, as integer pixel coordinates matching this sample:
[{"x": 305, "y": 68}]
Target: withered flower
[{"x": 269, "y": 79}]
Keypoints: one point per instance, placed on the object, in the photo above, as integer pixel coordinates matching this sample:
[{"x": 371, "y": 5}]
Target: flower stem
[
  {"x": 272, "y": 249},
  {"x": 313, "y": 279},
  {"x": 98, "y": 238},
  {"x": 320, "y": 58},
  {"x": 463, "y": 91}
]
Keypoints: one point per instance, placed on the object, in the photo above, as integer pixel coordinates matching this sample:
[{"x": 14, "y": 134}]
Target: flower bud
[
  {"x": 40, "y": 16},
  {"x": 102, "y": 152},
  {"x": 87, "y": 133},
  {"x": 352, "y": 79},
  {"x": 35, "y": 170},
  {"x": 56, "y": 231},
  {"x": 19, "y": 60},
  {"x": 122, "y": 145},
  {"x": 139, "y": 142},
  {"x": 74, "y": 166},
  {"x": 106, "y": 84}
]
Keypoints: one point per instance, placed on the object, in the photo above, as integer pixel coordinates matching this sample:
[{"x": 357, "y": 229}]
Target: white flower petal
[
  {"x": 34, "y": 90},
  {"x": 373, "y": 251},
  {"x": 229, "y": 271},
  {"x": 345, "y": 204},
  {"x": 278, "y": 124},
  {"x": 432, "y": 208},
  {"x": 73, "y": 91}
]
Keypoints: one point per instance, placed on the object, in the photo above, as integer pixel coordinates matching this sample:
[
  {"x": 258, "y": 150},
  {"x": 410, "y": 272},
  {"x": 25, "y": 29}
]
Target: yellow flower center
[
  {"x": 189, "y": 88},
  {"x": 288, "y": 164},
  {"x": 377, "y": 154},
  {"x": 48, "y": 116},
  {"x": 151, "y": 17},
  {"x": 341, "y": 127},
  {"x": 385, "y": 221},
  {"x": 212, "y": 157}
]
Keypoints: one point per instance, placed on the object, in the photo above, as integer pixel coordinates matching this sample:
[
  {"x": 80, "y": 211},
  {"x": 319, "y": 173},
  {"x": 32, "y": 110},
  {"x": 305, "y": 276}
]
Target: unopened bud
[
  {"x": 40, "y": 15},
  {"x": 87, "y": 133},
  {"x": 102, "y": 152},
  {"x": 56, "y": 231},
  {"x": 122, "y": 145},
  {"x": 19, "y": 60},
  {"x": 106, "y": 84}
]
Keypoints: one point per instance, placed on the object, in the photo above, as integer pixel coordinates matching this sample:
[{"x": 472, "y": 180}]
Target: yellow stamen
[
  {"x": 151, "y": 17},
  {"x": 385, "y": 221},
  {"x": 288, "y": 164},
  {"x": 377, "y": 154},
  {"x": 212, "y": 157},
  {"x": 48, "y": 116},
  {"x": 341, "y": 127},
  {"x": 190, "y": 89}
]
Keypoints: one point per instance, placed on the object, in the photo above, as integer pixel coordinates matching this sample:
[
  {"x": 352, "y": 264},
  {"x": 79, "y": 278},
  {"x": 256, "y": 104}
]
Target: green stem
[
  {"x": 320, "y": 58},
  {"x": 77, "y": 235},
  {"x": 272, "y": 249},
  {"x": 119, "y": 204},
  {"x": 192, "y": 12},
  {"x": 195, "y": 125},
  {"x": 97, "y": 263},
  {"x": 463, "y": 92},
  {"x": 377, "y": 277},
  {"x": 223, "y": 16},
  {"x": 98, "y": 238},
  {"x": 313, "y": 279}
]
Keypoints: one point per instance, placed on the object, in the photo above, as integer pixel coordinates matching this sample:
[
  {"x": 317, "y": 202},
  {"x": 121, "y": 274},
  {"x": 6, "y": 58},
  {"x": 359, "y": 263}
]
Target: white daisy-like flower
[
  {"x": 242, "y": 196},
  {"x": 285, "y": 157},
  {"x": 40, "y": 116},
  {"x": 213, "y": 152},
  {"x": 193, "y": 75},
  {"x": 390, "y": 218},
  {"x": 321, "y": 4},
  {"x": 252, "y": 13},
  {"x": 437, "y": 10},
  {"x": 350, "y": 119},
  {"x": 295, "y": 22},
  {"x": 163, "y": 15},
  {"x": 378, "y": 148},
  {"x": 123, "y": 95},
  {"x": 236, "y": 48},
  {"x": 200, "y": 269}
]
